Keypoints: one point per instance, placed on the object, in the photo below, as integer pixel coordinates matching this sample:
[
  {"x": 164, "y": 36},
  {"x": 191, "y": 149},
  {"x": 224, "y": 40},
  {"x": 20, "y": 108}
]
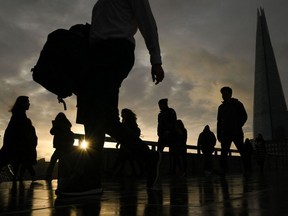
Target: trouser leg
[
  {"x": 95, "y": 136},
  {"x": 225, "y": 147},
  {"x": 97, "y": 102},
  {"x": 239, "y": 143},
  {"x": 53, "y": 160}
]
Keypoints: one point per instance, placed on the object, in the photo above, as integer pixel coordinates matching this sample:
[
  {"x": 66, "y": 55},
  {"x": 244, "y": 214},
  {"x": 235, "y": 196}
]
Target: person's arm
[
  {"x": 219, "y": 124},
  {"x": 157, "y": 73},
  {"x": 52, "y": 130},
  {"x": 242, "y": 114},
  {"x": 198, "y": 144},
  {"x": 148, "y": 28}
]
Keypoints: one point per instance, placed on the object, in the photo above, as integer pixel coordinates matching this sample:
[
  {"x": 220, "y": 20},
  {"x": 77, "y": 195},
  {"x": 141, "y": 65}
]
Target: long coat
[{"x": 20, "y": 141}]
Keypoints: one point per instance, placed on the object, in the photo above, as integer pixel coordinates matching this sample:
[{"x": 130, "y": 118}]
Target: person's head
[
  {"x": 21, "y": 105},
  {"x": 163, "y": 103},
  {"x": 226, "y": 93},
  {"x": 128, "y": 115},
  {"x": 60, "y": 116},
  {"x": 207, "y": 128},
  {"x": 62, "y": 119}
]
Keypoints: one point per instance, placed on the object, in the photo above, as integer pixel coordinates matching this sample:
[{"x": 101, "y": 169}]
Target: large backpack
[{"x": 61, "y": 60}]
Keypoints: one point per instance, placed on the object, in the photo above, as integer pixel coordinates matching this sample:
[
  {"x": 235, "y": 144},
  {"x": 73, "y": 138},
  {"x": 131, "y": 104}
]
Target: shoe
[
  {"x": 78, "y": 191},
  {"x": 77, "y": 188},
  {"x": 153, "y": 169}
]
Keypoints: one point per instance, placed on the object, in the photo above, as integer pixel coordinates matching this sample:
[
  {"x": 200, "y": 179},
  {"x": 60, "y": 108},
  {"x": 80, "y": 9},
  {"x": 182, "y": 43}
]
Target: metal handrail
[{"x": 154, "y": 144}]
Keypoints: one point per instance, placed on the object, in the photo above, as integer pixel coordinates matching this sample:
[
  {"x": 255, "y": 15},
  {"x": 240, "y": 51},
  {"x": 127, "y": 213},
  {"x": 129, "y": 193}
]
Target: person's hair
[
  {"x": 130, "y": 116},
  {"x": 62, "y": 118},
  {"x": 226, "y": 89},
  {"x": 19, "y": 104},
  {"x": 163, "y": 101}
]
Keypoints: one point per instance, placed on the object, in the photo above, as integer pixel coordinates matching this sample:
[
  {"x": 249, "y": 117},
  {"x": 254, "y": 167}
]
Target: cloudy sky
[{"x": 205, "y": 45}]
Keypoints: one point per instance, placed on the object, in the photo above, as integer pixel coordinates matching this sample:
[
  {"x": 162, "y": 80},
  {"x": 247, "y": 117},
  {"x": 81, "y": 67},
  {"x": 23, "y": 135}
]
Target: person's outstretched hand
[{"x": 157, "y": 73}]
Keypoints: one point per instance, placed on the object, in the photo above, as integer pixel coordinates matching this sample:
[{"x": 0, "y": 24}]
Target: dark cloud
[{"x": 205, "y": 45}]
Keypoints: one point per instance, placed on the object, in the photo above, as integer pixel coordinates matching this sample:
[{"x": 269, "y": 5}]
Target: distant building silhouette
[{"x": 270, "y": 110}]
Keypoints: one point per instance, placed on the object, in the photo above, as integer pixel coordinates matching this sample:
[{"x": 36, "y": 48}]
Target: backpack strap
[{"x": 61, "y": 100}]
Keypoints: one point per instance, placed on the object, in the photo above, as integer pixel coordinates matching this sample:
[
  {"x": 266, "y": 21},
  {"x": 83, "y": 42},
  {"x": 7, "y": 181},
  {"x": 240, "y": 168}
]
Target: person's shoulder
[
  {"x": 171, "y": 110},
  {"x": 236, "y": 101},
  {"x": 221, "y": 105}
]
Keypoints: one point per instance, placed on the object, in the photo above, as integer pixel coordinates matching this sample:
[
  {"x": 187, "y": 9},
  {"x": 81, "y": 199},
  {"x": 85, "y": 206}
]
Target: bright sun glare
[{"x": 84, "y": 144}]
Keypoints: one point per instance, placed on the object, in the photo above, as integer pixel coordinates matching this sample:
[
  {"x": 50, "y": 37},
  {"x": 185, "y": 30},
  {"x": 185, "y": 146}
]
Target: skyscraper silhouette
[{"x": 270, "y": 111}]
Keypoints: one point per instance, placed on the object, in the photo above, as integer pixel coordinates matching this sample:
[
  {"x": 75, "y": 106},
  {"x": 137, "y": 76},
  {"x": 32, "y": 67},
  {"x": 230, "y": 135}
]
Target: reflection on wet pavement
[{"x": 196, "y": 195}]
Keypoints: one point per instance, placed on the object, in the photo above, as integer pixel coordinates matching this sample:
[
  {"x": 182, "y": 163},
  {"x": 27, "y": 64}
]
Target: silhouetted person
[
  {"x": 111, "y": 57},
  {"x": 249, "y": 150},
  {"x": 206, "y": 143},
  {"x": 129, "y": 120},
  {"x": 166, "y": 129},
  {"x": 180, "y": 150},
  {"x": 63, "y": 140},
  {"x": 20, "y": 140},
  {"x": 230, "y": 120},
  {"x": 260, "y": 151}
]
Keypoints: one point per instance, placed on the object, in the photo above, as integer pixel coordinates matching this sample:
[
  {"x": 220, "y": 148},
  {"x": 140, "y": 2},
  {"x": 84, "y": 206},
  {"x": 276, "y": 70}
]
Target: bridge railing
[{"x": 153, "y": 145}]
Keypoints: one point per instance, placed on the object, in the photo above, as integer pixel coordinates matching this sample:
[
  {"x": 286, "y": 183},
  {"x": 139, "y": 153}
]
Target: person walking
[
  {"x": 63, "y": 141},
  {"x": 111, "y": 57},
  {"x": 129, "y": 120},
  {"x": 206, "y": 143},
  {"x": 20, "y": 140},
  {"x": 166, "y": 130},
  {"x": 230, "y": 120}
]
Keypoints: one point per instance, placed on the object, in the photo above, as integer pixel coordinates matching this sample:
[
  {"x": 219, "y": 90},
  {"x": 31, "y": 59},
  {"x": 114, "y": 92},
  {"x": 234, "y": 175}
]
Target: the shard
[{"x": 270, "y": 111}]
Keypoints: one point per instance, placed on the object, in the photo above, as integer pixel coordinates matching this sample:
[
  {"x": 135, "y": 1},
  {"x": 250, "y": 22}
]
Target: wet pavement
[{"x": 257, "y": 194}]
